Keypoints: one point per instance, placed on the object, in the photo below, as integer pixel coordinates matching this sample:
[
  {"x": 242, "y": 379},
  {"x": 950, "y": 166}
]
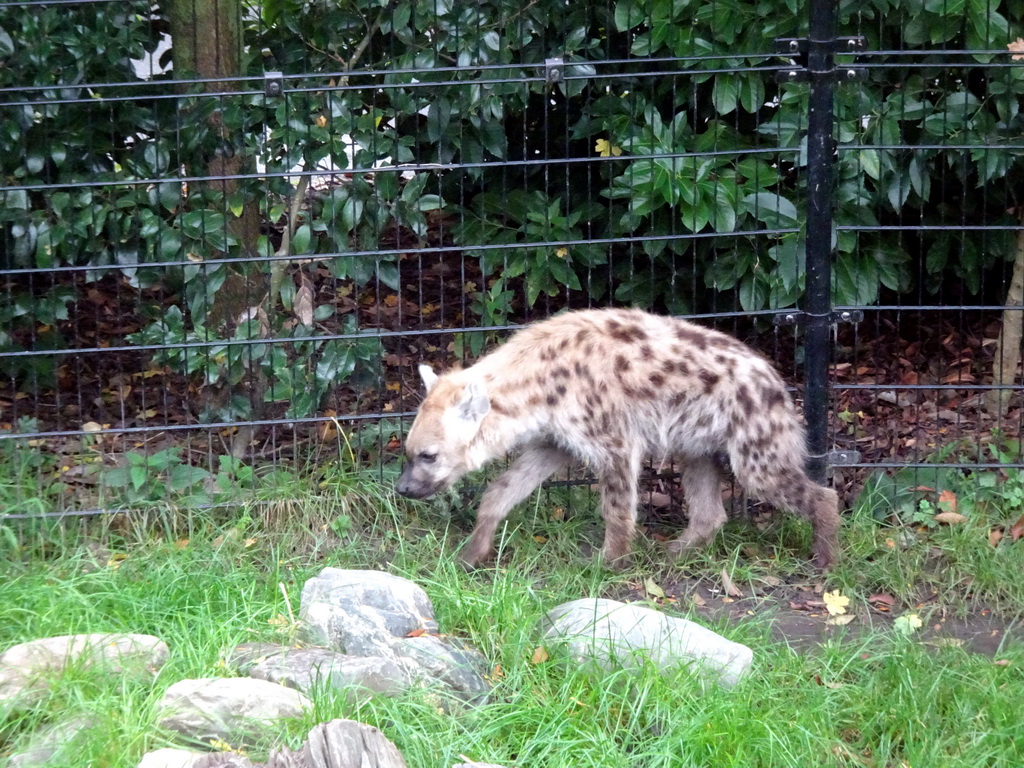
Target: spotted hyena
[{"x": 609, "y": 388}]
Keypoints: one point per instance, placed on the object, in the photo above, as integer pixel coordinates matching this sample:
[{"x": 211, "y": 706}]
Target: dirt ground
[{"x": 799, "y": 618}]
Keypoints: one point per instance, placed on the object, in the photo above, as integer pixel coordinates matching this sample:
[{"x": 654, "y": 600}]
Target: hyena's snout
[{"x": 411, "y": 485}]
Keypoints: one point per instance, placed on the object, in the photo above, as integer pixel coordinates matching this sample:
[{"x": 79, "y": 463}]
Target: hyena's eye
[{"x": 428, "y": 458}]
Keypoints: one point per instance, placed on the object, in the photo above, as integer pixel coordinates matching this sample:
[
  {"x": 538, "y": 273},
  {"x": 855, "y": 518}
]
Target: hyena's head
[{"x": 437, "y": 448}]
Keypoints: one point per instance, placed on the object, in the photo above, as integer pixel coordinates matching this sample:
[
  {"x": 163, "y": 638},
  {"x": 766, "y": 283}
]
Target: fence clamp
[
  {"x": 554, "y": 70},
  {"x": 273, "y": 83},
  {"x": 799, "y": 319},
  {"x": 842, "y": 458},
  {"x": 796, "y": 49}
]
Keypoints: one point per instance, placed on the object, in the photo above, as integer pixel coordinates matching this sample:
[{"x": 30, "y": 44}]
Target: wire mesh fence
[{"x": 230, "y": 232}]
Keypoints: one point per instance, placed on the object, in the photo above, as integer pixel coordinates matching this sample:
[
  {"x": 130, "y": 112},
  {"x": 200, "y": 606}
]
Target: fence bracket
[
  {"x": 799, "y": 318},
  {"x": 842, "y": 458},
  {"x": 273, "y": 83},
  {"x": 796, "y": 50},
  {"x": 554, "y": 70}
]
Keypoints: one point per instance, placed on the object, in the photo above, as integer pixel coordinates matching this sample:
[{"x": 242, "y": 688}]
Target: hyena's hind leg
[
  {"x": 618, "y": 484},
  {"x": 702, "y": 484},
  {"x": 532, "y": 467},
  {"x": 793, "y": 491}
]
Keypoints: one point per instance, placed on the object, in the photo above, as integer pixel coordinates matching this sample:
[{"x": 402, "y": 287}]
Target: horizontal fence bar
[
  {"x": 212, "y": 426},
  {"x": 345, "y": 78},
  {"x": 368, "y": 334},
  {"x": 410, "y": 249},
  {"x": 401, "y": 168},
  {"x": 928, "y": 307}
]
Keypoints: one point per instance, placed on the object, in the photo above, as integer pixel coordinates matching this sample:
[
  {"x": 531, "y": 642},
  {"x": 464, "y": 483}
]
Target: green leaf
[
  {"x": 856, "y": 280},
  {"x": 771, "y": 208},
  {"x": 628, "y": 14},
  {"x": 753, "y": 293},
  {"x": 139, "y": 475},
  {"x": 439, "y": 115},
  {"x": 725, "y": 94},
  {"x": 870, "y": 162},
  {"x": 185, "y": 476},
  {"x": 301, "y": 240}
]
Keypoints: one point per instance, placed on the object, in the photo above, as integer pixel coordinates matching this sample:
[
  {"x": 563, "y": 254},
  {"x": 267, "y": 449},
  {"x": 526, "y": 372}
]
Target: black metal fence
[{"x": 216, "y": 271}]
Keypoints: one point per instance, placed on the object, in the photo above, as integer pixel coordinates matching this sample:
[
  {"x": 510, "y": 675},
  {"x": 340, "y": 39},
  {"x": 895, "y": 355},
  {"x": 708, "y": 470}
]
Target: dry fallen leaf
[
  {"x": 806, "y": 605},
  {"x": 1017, "y": 529},
  {"x": 882, "y": 601},
  {"x": 840, "y": 621},
  {"x": 949, "y": 518},
  {"x": 945, "y": 642},
  {"x": 418, "y": 632},
  {"x": 947, "y": 501},
  {"x": 539, "y": 655},
  {"x": 699, "y": 601},
  {"x": 729, "y": 587},
  {"x": 302, "y": 304},
  {"x": 994, "y": 536}
]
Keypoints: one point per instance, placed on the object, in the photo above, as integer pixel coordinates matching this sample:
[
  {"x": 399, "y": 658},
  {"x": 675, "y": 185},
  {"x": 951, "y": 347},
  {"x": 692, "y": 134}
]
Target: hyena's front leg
[
  {"x": 702, "y": 484},
  {"x": 618, "y": 508},
  {"x": 533, "y": 467}
]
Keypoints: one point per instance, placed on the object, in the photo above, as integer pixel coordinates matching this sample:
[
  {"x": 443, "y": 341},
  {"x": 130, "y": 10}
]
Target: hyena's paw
[
  {"x": 679, "y": 549},
  {"x": 617, "y": 562},
  {"x": 473, "y": 555},
  {"x": 686, "y": 544},
  {"x": 824, "y": 556}
]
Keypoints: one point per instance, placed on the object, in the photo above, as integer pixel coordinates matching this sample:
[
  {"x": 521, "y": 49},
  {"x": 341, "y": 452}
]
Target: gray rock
[
  {"x": 370, "y": 614},
  {"x": 363, "y": 612},
  {"x": 26, "y": 669},
  {"x": 223, "y": 760},
  {"x": 234, "y": 709},
  {"x": 50, "y": 745},
  {"x": 307, "y": 668},
  {"x": 609, "y": 634},
  {"x": 450, "y": 662},
  {"x": 341, "y": 744},
  {"x": 244, "y": 657},
  {"x": 169, "y": 758}
]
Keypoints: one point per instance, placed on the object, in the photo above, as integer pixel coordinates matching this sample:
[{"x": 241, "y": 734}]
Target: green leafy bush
[{"x": 684, "y": 162}]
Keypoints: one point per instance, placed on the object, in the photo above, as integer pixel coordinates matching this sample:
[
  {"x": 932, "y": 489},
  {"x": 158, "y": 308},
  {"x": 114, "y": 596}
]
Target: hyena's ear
[
  {"x": 428, "y": 376},
  {"x": 474, "y": 404}
]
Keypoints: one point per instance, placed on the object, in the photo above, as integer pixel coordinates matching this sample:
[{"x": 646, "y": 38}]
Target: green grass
[{"x": 206, "y": 582}]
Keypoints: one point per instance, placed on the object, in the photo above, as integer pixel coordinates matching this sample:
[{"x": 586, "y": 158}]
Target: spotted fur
[{"x": 609, "y": 388}]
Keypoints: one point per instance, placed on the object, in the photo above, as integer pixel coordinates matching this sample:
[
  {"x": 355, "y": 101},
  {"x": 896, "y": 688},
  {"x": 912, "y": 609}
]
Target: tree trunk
[
  {"x": 1008, "y": 345},
  {"x": 207, "y": 43}
]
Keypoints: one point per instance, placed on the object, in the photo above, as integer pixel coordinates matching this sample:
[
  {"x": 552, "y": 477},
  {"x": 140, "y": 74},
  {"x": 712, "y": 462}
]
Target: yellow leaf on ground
[
  {"x": 840, "y": 621},
  {"x": 651, "y": 588},
  {"x": 539, "y": 655},
  {"x": 908, "y": 623},
  {"x": 835, "y": 602}
]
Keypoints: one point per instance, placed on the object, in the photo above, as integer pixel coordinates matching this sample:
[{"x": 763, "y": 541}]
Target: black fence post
[{"x": 820, "y": 204}]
